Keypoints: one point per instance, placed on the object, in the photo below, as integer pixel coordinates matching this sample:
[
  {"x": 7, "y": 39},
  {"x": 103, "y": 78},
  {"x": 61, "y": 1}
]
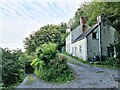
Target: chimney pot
[{"x": 82, "y": 20}]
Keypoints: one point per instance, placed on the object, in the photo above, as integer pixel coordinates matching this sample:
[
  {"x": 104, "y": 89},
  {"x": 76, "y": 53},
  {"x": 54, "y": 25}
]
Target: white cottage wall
[
  {"x": 80, "y": 49},
  {"x": 68, "y": 44}
]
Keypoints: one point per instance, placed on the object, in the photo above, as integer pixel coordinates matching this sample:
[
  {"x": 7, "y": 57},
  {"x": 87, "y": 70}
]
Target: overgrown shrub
[
  {"x": 46, "y": 52},
  {"x": 48, "y": 66},
  {"x": 27, "y": 59},
  {"x": 114, "y": 62},
  {"x": 12, "y": 67}
]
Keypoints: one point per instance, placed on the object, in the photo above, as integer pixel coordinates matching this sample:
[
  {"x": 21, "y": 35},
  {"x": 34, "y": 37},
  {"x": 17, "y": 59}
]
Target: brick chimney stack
[{"x": 83, "y": 23}]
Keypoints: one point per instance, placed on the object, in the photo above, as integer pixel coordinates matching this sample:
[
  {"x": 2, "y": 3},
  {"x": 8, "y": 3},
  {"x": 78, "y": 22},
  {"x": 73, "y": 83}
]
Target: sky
[{"x": 19, "y": 18}]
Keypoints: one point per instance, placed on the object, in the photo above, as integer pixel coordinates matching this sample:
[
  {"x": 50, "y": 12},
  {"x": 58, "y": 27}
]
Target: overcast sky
[{"x": 19, "y": 18}]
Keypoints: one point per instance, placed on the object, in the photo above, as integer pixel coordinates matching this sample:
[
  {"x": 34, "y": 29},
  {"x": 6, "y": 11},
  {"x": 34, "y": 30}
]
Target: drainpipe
[
  {"x": 100, "y": 44},
  {"x": 100, "y": 47},
  {"x": 114, "y": 51}
]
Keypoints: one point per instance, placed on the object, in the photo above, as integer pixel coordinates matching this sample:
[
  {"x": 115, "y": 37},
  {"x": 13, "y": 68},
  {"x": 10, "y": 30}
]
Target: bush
[
  {"x": 12, "y": 67},
  {"x": 55, "y": 71},
  {"x": 114, "y": 62},
  {"x": 46, "y": 52},
  {"x": 28, "y": 68},
  {"x": 27, "y": 59},
  {"x": 48, "y": 66}
]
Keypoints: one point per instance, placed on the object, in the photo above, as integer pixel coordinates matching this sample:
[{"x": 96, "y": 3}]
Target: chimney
[
  {"x": 103, "y": 18},
  {"x": 99, "y": 19},
  {"x": 68, "y": 29},
  {"x": 83, "y": 23}
]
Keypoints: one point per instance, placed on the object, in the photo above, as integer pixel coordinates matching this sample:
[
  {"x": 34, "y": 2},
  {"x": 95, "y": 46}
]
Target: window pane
[
  {"x": 94, "y": 35},
  {"x": 80, "y": 49}
]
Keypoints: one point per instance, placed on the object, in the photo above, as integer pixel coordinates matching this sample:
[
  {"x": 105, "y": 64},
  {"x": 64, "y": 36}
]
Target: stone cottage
[{"x": 85, "y": 42}]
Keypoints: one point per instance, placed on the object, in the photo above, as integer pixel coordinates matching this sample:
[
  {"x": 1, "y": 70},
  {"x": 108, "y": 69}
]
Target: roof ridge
[{"x": 84, "y": 34}]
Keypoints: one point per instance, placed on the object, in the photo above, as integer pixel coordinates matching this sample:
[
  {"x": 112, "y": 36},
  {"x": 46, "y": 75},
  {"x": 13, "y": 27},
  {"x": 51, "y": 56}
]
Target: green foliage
[
  {"x": 93, "y": 9},
  {"x": 1, "y": 56},
  {"x": 12, "y": 67},
  {"x": 47, "y": 51},
  {"x": 38, "y": 64},
  {"x": 114, "y": 62},
  {"x": 76, "y": 58},
  {"x": 55, "y": 71},
  {"x": 30, "y": 79},
  {"x": 106, "y": 63},
  {"x": 117, "y": 45},
  {"x": 48, "y": 33},
  {"x": 49, "y": 67}
]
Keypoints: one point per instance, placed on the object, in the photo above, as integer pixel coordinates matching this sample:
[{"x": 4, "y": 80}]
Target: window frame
[
  {"x": 94, "y": 35},
  {"x": 80, "y": 48}
]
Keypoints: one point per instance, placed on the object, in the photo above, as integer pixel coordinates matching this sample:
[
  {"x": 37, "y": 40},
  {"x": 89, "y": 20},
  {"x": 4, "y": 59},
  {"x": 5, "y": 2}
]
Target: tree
[
  {"x": 12, "y": 67},
  {"x": 93, "y": 9},
  {"x": 47, "y": 33}
]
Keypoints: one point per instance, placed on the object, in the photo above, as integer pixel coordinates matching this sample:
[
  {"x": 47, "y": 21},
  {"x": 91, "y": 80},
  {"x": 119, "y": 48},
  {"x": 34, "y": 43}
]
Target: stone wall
[
  {"x": 93, "y": 45},
  {"x": 107, "y": 38}
]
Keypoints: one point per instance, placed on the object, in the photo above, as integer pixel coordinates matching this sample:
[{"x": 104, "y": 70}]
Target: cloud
[{"x": 18, "y": 18}]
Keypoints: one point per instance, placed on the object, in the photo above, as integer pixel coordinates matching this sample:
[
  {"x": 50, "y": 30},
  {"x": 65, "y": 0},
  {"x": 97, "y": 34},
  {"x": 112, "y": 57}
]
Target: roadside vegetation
[
  {"x": 42, "y": 46},
  {"x": 76, "y": 58},
  {"x": 109, "y": 63},
  {"x": 105, "y": 63},
  {"x": 50, "y": 67},
  {"x": 12, "y": 68},
  {"x": 45, "y": 64}
]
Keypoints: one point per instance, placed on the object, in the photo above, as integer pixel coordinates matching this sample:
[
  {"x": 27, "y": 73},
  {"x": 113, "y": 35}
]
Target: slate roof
[{"x": 86, "y": 33}]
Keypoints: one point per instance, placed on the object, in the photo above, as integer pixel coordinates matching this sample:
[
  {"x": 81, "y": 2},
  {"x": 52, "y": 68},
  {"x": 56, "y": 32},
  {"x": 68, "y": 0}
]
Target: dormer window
[{"x": 94, "y": 35}]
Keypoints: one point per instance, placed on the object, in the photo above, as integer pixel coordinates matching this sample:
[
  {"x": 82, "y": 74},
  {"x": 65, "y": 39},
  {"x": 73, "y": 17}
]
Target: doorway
[{"x": 110, "y": 51}]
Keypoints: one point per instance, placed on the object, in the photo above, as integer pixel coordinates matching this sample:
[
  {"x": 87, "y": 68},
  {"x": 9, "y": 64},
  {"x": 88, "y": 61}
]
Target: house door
[{"x": 110, "y": 51}]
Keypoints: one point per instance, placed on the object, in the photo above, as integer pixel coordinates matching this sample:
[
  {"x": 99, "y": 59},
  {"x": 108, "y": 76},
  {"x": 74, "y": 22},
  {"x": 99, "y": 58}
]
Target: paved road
[{"x": 87, "y": 76}]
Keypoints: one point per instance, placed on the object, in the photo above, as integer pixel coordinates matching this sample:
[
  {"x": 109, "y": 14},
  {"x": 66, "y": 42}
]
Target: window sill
[{"x": 95, "y": 39}]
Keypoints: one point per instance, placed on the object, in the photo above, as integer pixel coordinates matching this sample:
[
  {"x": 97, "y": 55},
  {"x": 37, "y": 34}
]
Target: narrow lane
[{"x": 87, "y": 76}]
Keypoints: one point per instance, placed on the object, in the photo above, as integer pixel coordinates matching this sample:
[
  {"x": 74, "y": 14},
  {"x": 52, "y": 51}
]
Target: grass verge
[
  {"x": 76, "y": 58},
  {"x": 30, "y": 79},
  {"x": 103, "y": 64}
]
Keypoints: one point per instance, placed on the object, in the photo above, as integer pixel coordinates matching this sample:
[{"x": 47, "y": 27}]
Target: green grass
[
  {"x": 93, "y": 64},
  {"x": 76, "y": 58},
  {"x": 105, "y": 66},
  {"x": 72, "y": 62},
  {"x": 30, "y": 79}
]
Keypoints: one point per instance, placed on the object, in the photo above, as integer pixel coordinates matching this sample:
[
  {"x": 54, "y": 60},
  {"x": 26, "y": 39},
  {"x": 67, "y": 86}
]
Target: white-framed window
[
  {"x": 80, "y": 49},
  {"x": 75, "y": 50}
]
